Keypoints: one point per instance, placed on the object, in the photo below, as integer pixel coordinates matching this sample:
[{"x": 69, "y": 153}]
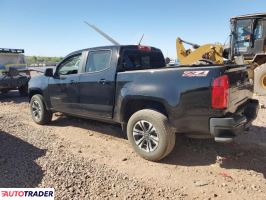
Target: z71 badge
[{"x": 202, "y": 73}]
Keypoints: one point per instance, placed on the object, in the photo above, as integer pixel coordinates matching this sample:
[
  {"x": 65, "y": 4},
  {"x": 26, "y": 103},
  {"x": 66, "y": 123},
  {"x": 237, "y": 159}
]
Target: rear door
[{"x": 97, "y": 84}]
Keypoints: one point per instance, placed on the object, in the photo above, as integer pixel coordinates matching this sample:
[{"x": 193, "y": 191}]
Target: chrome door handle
[
  {"x": 72, "y": 82},
  {"x": 102, "y": 81}
]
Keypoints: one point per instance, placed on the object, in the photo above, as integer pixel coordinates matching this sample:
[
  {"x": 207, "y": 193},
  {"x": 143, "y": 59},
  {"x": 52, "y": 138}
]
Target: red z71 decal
[{"x": 195, "y": 73}]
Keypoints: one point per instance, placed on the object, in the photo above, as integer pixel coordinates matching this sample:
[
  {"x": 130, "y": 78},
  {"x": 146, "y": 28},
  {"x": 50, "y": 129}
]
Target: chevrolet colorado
[{"x": 131, "y": 85}]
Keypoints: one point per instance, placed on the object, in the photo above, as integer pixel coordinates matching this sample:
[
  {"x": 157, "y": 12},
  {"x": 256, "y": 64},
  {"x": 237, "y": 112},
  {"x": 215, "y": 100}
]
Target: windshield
[{"x": 243, "y": 32}]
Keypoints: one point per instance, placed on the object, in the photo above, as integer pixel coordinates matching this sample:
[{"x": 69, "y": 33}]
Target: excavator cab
[
  {"x": 248, "y": 41},
  {"x": 248, "y": 37}
]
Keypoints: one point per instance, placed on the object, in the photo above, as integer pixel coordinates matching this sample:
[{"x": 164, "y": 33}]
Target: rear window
[{"x": 136, "y": 59}]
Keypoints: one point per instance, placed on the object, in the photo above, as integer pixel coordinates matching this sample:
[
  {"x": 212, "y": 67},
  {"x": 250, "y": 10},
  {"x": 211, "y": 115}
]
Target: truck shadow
[
  {"x": 12, "y": 97},
  {"x": 17, "y": 162},
  {"x": 241, "y": 154},
  {"x": 92, "y": 125},
  {"x": 193, "y": 152}
]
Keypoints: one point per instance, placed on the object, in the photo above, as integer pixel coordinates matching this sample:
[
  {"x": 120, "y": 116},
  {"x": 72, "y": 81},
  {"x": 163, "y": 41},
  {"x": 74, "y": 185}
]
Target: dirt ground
[{"x": 85, "y": 159}]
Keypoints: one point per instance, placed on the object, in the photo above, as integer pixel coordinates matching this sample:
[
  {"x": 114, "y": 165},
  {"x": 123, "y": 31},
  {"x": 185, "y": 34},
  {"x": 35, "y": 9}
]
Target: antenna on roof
[
  {"x": 141, "y": 38},
  {"x": 102, "y": 33}
]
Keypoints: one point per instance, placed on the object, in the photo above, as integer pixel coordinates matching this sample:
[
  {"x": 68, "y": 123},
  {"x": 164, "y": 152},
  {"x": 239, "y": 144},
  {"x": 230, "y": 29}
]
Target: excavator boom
[{"x": 212, "y": 52}]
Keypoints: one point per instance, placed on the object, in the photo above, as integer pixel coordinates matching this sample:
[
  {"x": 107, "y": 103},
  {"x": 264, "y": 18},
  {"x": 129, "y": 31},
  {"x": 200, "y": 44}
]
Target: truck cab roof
[{"x": 118, "y": 47}]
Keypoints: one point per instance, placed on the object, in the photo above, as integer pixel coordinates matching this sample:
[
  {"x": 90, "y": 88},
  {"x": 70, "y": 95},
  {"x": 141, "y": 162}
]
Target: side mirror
[{"x": 49, "y": 72}]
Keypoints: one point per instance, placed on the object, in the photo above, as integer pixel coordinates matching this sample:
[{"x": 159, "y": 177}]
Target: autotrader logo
[{"x": 27, "y": 193}]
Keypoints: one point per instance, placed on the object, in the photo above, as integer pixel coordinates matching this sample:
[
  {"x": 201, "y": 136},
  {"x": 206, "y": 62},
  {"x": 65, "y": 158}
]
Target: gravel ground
[
  {"x": 83, "y": 159},
  {"x": 34, "y": 157}
]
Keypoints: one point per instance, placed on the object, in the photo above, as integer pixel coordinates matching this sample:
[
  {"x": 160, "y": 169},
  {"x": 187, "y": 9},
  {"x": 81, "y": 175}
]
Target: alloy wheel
[
  {"x": 145, "y": 136},
  {"x": 36, "y": 109}
]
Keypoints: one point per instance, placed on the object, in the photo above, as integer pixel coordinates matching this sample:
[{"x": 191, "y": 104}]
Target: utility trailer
[{"x": 14, "y": 74}]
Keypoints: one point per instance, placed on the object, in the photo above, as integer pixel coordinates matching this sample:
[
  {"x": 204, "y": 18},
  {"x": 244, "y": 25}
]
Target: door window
[
  {"x": 70, "y": 65},
  {"x": 258, "y": 30},
  {"x": 98, "y": 60}
]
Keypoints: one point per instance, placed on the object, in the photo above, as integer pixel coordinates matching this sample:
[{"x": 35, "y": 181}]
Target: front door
[
  {"x": 97, "y": 85},
  {"x": 63, "y": 87}
]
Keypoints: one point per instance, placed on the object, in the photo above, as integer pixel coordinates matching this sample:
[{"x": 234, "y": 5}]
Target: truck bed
[{"x": 185, "y": 92}]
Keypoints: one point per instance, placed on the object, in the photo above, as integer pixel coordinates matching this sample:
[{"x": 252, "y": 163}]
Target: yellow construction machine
[
  {"x": 207, "y": 53},
  {"x": 247, "y": 46}
]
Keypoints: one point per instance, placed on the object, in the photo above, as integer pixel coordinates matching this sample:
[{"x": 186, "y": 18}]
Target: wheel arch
[
  {"x": 132, "y": 105},
  {"x": 34, "y": 91}
]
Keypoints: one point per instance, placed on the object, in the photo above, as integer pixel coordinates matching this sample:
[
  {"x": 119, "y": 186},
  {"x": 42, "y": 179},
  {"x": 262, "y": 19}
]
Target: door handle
[
  {"x": 102, "y": 81},
  {"x": 72, "y": 82}
]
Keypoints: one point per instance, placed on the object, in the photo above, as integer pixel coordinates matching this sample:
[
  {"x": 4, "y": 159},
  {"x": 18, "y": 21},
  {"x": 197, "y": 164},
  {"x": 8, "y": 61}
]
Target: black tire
[
  {"x": 38, "y": 110},
  {"x": 23, "y": 90},
  {"x": 161, "y": 131},
  {"x": 172, "y": 138}
]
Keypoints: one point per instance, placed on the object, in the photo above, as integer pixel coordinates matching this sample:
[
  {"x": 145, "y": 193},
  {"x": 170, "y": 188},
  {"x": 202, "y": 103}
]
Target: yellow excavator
[{"x": 247, "y": 46}]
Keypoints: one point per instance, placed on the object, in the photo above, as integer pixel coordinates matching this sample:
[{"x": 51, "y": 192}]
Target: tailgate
[{"x": 241, "y": 89}]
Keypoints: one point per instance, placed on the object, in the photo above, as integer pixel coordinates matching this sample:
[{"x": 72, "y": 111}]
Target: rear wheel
[
  {"x": 150, "y": 135},
  {"x": 39, "y": 112}
]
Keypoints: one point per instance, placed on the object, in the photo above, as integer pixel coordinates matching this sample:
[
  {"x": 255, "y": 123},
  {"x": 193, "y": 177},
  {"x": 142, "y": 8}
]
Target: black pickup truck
[{"x": 131, "y": 85}]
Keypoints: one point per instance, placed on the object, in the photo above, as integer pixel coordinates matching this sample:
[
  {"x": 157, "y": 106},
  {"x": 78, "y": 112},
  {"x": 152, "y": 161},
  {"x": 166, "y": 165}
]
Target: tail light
[
  {"x": 220, "y": 92},
  {"x": 144, "y": 48}
]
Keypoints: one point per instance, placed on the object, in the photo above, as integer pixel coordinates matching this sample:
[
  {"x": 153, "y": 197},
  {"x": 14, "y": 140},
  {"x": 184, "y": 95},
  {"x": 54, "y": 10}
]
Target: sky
[{"x": 56, "y": 27}]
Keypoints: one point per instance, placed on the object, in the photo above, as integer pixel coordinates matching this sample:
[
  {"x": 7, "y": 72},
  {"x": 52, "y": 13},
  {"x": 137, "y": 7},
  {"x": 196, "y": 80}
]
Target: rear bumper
[{"x": 225, "y": 129}]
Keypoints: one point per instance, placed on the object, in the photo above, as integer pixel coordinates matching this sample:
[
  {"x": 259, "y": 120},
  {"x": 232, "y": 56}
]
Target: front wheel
[
  {"x": 38, "y": 110},
  {"x": 149, "y": 133}
]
